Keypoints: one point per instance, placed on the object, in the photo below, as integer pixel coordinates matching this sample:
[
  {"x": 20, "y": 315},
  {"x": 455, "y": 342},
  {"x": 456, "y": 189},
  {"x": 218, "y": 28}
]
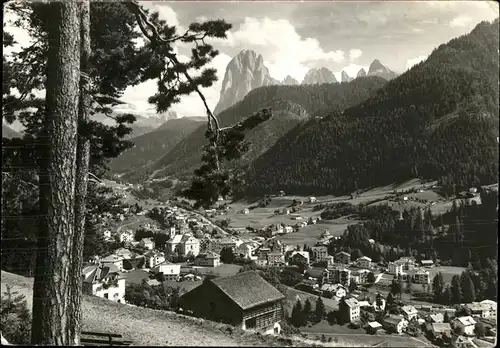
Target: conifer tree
[
  {"x": 319, "y": 311},
  {"x": 456, "y": 290}
]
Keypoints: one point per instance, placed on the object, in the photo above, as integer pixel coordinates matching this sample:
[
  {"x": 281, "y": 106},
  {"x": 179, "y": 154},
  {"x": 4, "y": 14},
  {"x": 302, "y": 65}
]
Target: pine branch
[{"x": 154, "y": 36}]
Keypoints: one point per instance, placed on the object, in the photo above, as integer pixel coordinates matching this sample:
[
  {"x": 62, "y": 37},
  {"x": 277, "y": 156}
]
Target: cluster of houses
[
  {"x": 339, "y": 268},
  {"x": 430, "y": 320}
]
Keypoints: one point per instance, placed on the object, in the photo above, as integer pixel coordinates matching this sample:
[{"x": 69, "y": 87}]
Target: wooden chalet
[{"x": 245, "y": 300}]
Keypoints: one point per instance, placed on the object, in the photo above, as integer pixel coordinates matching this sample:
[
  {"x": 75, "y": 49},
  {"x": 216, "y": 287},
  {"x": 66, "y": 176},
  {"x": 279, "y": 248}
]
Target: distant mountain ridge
[
  {"x": 150, "y": 146},
  {"x": 244, "y": 73},
  {"x": 142, "y": 124},
  {"x": 292, "y": 106}
]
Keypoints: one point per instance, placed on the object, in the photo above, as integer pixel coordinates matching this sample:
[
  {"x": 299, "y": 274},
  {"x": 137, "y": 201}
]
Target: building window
[{"x": 251, "y": 323}]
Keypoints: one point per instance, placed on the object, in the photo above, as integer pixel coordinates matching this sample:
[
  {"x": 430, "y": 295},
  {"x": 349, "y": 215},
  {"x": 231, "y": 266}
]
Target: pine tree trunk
[
  {"x": 57, "y": 179},
  {"x": 82, "y": 169}
]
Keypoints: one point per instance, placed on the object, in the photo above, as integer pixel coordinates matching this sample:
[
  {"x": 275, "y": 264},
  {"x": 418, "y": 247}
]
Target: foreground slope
[
  {"x": 151, "y": 146},
  {"x": 148, "y": 327},
  {"x": 9, "y": 133},
  {"x": 438, "y": 120},
  {"x": 291, "y": 106}
]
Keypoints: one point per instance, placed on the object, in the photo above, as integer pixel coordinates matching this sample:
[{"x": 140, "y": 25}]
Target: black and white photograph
[{"x": 250, "y": 173}]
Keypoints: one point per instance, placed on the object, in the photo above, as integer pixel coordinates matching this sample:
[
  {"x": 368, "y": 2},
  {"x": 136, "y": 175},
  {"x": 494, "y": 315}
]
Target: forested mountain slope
[
  {"x": 149, "y": 147},
  {"x": 437, "y": 120},
  {"x": 291, "y": 105}
]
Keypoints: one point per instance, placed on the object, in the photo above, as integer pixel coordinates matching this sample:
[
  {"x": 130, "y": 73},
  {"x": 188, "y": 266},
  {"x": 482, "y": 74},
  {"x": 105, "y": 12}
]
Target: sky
[{"x": 295, "y": 36}]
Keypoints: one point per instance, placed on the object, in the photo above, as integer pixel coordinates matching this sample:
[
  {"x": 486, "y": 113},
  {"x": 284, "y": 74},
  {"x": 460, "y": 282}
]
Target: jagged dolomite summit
[
  {"x": 318, "y": 76},
  {"x": 244, "y": 73}
]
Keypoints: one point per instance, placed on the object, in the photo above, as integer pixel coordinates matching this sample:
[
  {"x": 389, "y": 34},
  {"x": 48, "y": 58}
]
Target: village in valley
[
  {"x": 201, "y": 255},
  {"x": 239, "y": 173}
]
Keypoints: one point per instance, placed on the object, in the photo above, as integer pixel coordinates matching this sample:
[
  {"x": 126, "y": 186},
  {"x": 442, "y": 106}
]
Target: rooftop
[
  {"x": 208, "y": 255},
  {"x": 437, "y": 318},
  {"x": 468, "y": 320},
  {"x": 409, "y": 309},
  {"x": 96, "y": 273},
  {"x": 394, "y": 319},
  {"x": 351, "y": 302},
  {"x": 176, "y": 240},
  {"x": 441, "y": 327},
  {"x": 248, "y": 289}
]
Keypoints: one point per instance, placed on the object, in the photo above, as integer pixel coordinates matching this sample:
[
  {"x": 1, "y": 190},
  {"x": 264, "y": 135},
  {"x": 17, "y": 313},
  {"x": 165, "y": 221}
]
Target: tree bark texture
[
  {"x": 82, "y": 170},
  {"x": 57, "y": 182}
]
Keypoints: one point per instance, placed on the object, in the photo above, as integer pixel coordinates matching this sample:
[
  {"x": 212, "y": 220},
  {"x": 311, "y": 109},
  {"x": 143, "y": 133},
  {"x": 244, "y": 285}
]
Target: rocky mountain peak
[
  {"x": 361, "y": 73},
  {"x": 378, "y": 69},
  {"x": 289, "y": 81},
  {"x": 318, "y": 76},
  {"x": 245, "y": 72},
  {"x": 345, "y": 77}
]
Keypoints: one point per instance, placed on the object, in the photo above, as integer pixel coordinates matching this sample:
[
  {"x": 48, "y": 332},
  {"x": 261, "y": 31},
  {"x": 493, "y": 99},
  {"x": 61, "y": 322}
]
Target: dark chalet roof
[{"x": 248, "y": 289}]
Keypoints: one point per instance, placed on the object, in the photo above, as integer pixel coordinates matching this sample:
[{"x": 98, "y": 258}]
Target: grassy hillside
[
  {"x": 148, "y": 327},
  {"x": 291, "y": 105},
  {"x": 438, "y": 120},
  {"x": 151, "y": 146},
  {"x": 9, "y": 133}
]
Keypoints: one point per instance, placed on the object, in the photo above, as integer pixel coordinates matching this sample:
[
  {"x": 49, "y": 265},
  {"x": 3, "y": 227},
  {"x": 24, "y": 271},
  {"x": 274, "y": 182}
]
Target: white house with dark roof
[
  {"x": 104, "y": 281},
  {"x": 304, "y": 254},
  {"x": 364, "y": 262},
  {"x": 342, "y": 257},
  {"x": 169, "y": 270},
  {"x": 440, "y": 330},
  {"x": 336, "y": 290},
  {"x": 154, "y": 258},
  {"x": 395, "y": 323},
  {"x": 320, "y": 253},
  {"x": 395, "y": 268},
  {"x": 465, "y": 325},
  {"x": 245, "y": 250},
  {"x": 436, "y": 318},
  {"x": 208, "y": 259},
  {"x": 490, "y": 306},
  {"x": 113, "y": 259},
  {"x": 421, "y": 276},
  {"x": 373, "y": 326},
  {"x": 409, "y": 312},
  {"x": 350, "y": 309}
]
